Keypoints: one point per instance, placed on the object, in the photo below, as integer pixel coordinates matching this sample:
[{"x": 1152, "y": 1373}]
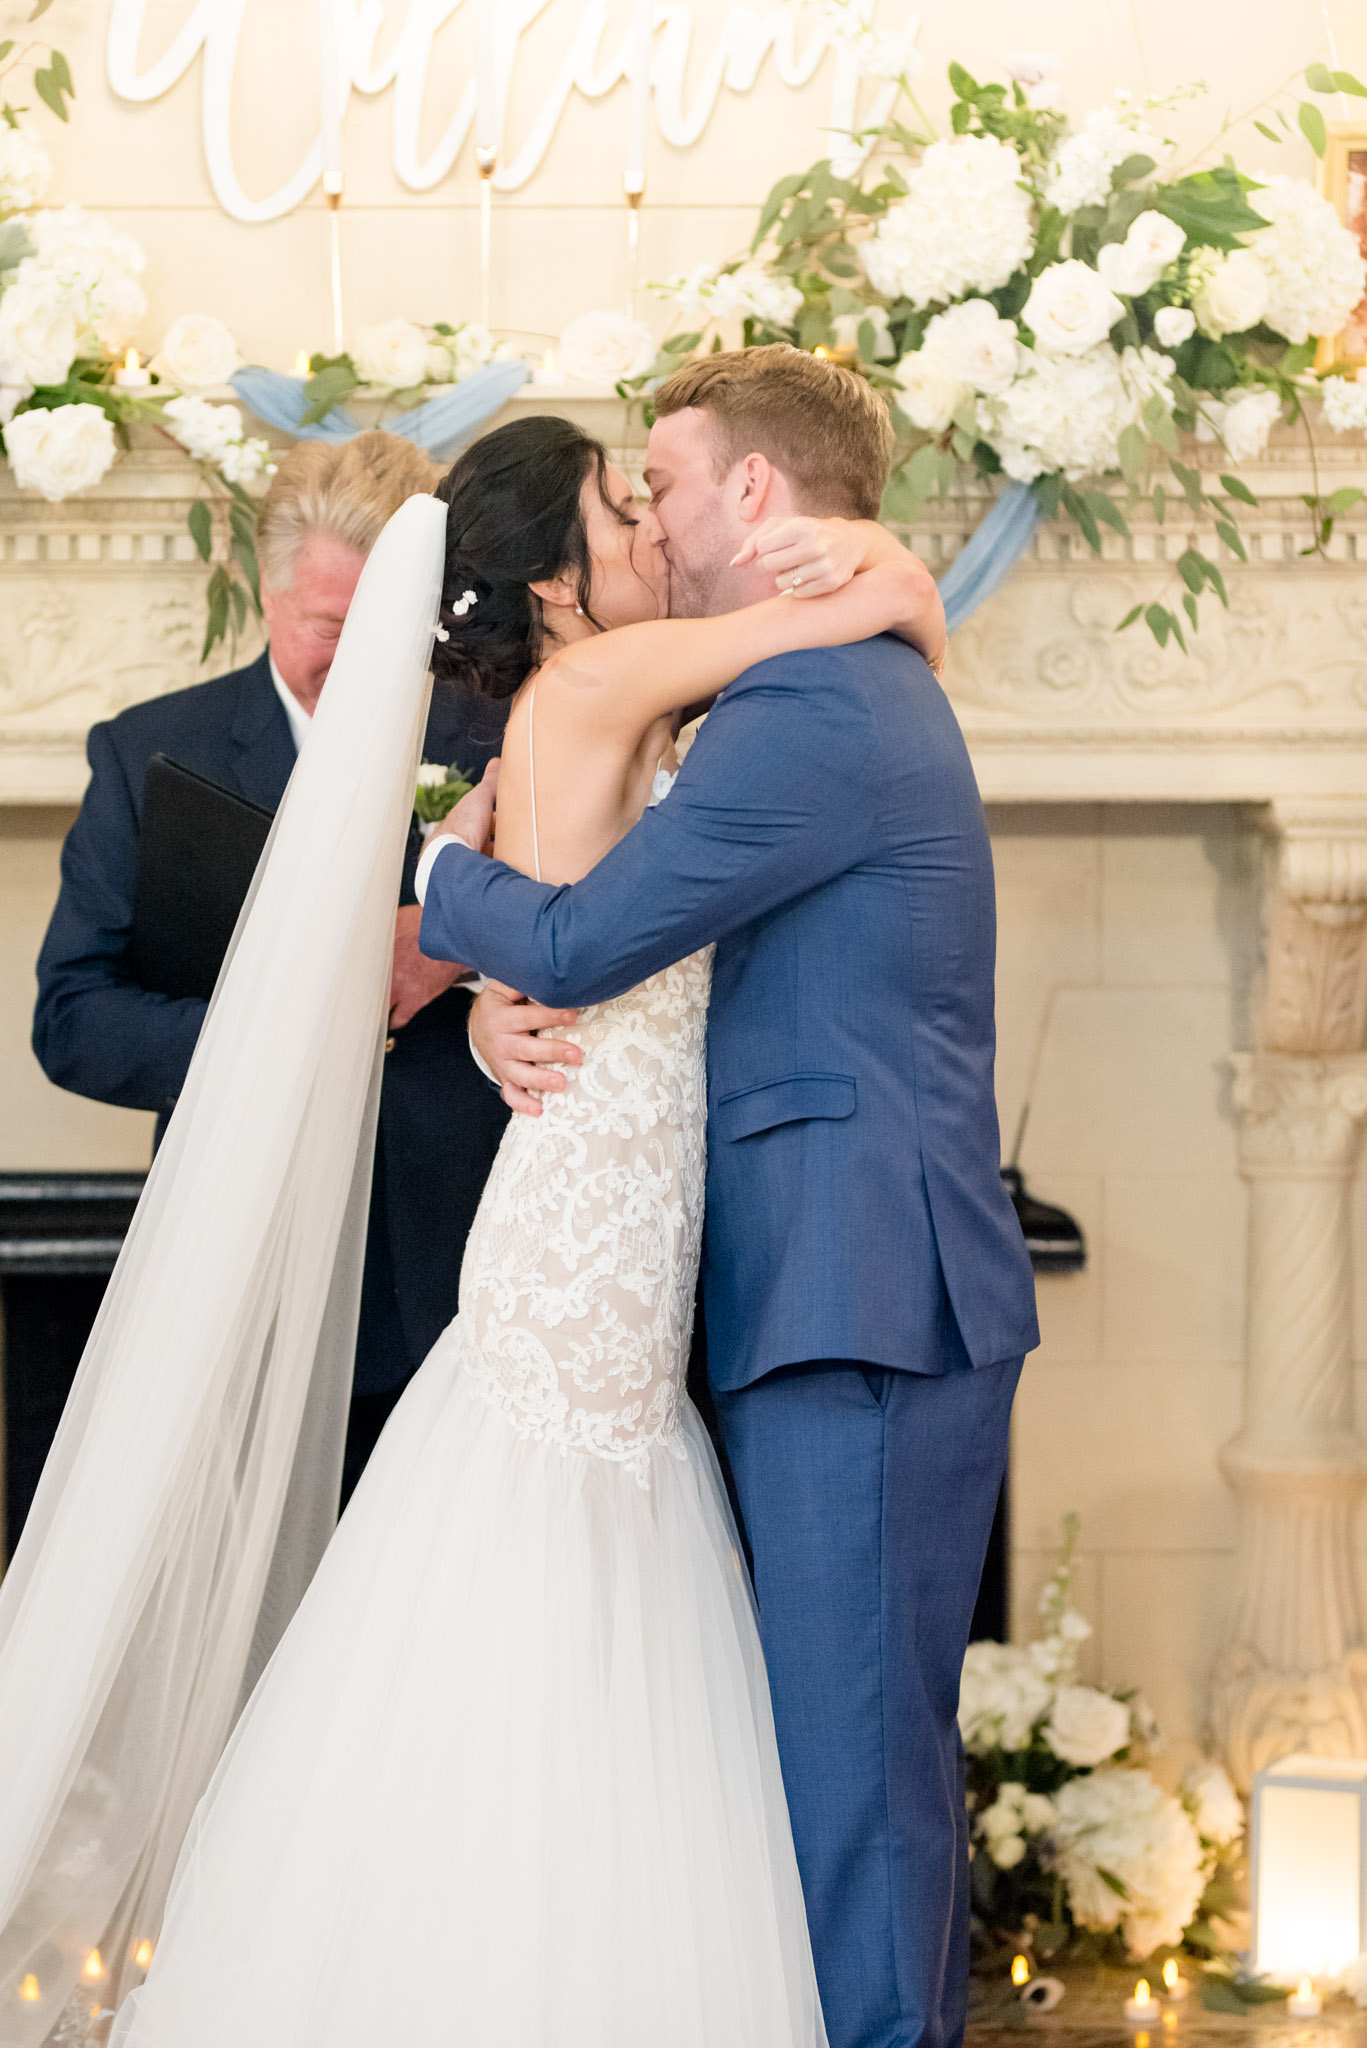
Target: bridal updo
[{"x": 514, "y": 517}]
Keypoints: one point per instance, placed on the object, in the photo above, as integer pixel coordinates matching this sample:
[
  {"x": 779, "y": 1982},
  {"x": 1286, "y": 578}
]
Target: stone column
[{"x": 1293, "y": 1673}]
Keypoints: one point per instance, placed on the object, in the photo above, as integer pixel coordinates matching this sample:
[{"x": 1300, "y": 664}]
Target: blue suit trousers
[{"x": 866, "y": 1497}]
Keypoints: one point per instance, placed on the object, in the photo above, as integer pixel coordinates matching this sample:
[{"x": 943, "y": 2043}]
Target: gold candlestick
[
  {"x": 486, "y": 161},
  {"x": 634, "y": 198},
  {"x": 332, "y": 192}
]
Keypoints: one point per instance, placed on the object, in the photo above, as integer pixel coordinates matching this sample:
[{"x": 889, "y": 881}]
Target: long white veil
[{"x": 194, "y": 1480}]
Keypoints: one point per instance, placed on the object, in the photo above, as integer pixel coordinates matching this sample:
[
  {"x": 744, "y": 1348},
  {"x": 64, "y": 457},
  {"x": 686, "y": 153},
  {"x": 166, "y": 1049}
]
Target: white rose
[
  {"x": 1231, "y": 295},
  {"x": 1086, "y": 1727},
  {"x": 441, "y": 363},
  {"x": 392, "y": 355},
  {"x": 931, "y": 394},
  {"x": 1172, "y": 325},
  {"x": 1213, "y": 1803},
  {"x": 62, "y": 451},
  {"x": 600, "y": 348},
  {"x": 974, "y": 344},
  {"x": 472, "y": 346},
  {"x": 1070, "y": 309},
  {"x": 198, "y": 351},
  {"x": 1246, "y": 421},
  {"x": 1138, "y": 262},
  {"x": 38, "y": 330},
  {"x": 25, "y": 170}
]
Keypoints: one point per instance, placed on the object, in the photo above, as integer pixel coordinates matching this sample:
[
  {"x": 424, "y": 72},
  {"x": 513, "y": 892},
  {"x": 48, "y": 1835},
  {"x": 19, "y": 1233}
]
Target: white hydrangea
[
  {"x": 25, "y": 170},
  {"x": 39, "y": 333},
  {"x": 749, "y": 292},
  {"x": 1316, "y": 273},
  {"x": 1213, "y": 1803},
  {"x": 1345, "y": 404},
  {"x": 1001, "y": 1697},
  {"x": 965, "y": 225},
  {"x": 1065, "y": 413},
  {"x": 1123, "y": 1822},
  {"x": 62, "y": 451},
  {"x": 1229, "y": 294},
  {"x": 1081, "y": 168},
  {"x": 98, "y": 268},
  {"x": 878, "y": 55},
  {"x": 214, "y": 433}
]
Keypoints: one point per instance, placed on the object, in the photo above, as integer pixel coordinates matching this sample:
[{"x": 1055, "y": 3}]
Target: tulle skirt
[{"x": 510, "y": 1780}]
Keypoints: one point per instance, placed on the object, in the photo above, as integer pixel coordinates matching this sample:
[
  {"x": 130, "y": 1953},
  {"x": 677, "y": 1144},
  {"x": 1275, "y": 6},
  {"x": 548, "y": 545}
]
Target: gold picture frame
[{"x": 1343, "y": 181}]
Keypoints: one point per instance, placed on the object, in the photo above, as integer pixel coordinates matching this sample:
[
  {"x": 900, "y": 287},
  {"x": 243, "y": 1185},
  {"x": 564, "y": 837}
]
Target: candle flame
[
  {"x": 93, "y": 1966},
  {"x": 142, "y": 1955},
  {"x": 1170, "y": 1972},
  {"x": 1141, "y": 2041},
  {"x": 132, "y": 361},
  {"x": 1142, "y": 1994},
  {"x": 821, "y": 354},
  {"x": 1020, "y": 1970},
  {"x": 1305, "y": 1989},
  {"x": 549, "y": 361},
  {"x": 301, "y": 363},
  {"x": 29, "y": 1991}
]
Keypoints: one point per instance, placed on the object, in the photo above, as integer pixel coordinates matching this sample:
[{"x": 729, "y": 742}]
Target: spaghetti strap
[{"x": 531, "y": 763}]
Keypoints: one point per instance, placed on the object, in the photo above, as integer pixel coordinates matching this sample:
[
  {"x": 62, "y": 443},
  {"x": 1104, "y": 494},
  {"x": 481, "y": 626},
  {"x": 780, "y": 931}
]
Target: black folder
[{"x": 197, "y": 852}]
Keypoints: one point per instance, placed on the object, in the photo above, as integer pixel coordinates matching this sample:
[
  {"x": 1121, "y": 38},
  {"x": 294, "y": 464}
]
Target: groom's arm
[{"x": 769, "y": 804}]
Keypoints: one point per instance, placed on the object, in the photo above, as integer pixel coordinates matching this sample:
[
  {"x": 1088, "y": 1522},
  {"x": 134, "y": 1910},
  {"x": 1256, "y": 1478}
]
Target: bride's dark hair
[{"x": 514, "y": 517}]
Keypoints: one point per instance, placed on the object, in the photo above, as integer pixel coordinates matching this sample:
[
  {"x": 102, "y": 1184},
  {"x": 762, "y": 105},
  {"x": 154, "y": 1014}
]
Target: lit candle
[
  {"x": 333, "y": 89},
  {"x": 132, "y": 376},
  {"x": 1020, "y": 1971},
  {"x": 142, "y": 1955},
  {"x": 93, "y": 1967},
  {"x": 1307, "y": 2003},
  {"x": 1142, "y": 2009},
  {"x": 487, "y": 123},
  {"x": 548, "y": 370},
  {"x": 1175, "y": 1985},
  {"x": 302, "y": 365},
  {"x": 29, "y": 1990},
  {"x": 642, "y": 27}
]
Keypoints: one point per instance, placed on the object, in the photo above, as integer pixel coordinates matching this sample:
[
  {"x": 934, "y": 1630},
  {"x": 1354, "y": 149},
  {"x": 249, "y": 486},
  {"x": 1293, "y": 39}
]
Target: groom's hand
[
  {"x": 472, "y": 819},
  {"x": 502, "y": 1028}
]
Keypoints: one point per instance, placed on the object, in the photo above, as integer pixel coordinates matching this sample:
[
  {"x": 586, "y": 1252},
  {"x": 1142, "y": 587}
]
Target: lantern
[{"x": 1309, "y": 1857}]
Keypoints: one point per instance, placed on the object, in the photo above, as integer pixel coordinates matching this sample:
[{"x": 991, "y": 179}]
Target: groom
[{"x": 868, "y": 1297}]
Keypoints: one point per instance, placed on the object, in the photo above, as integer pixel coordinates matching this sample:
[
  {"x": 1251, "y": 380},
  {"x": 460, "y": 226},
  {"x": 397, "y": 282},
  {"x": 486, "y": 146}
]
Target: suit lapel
[{"x": 263, "y": 750}]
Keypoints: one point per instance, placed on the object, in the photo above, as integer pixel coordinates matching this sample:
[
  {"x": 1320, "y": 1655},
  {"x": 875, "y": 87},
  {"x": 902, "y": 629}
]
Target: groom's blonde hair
[{"x": 821, "y": 424}]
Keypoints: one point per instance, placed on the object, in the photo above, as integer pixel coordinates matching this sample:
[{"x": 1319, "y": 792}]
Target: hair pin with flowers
[{"x": 458, "y": 610}]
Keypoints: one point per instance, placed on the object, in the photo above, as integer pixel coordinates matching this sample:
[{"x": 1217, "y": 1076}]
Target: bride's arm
[
  {"x": 812, "y": 557},
  {"x": 627, "y": 678}
]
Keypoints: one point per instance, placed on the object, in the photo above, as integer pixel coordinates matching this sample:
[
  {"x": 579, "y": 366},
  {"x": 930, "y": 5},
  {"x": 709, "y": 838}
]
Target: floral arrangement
[
  {"x": 398, "y": 360},
  {"x": 1073, "y": 1837},
  {"x": 1056, "y": 305}
]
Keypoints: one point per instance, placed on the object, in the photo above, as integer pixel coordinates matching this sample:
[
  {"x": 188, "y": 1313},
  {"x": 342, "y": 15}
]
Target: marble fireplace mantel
[{"x": 103, "y": 604}]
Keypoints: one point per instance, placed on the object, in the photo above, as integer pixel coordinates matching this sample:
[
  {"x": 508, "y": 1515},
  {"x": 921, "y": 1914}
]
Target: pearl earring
[{"x": 579, "y": 611}]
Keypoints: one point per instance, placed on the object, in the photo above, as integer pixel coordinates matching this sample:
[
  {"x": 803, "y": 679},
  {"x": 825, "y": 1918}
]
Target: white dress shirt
[{"x": 299, "y": 719}]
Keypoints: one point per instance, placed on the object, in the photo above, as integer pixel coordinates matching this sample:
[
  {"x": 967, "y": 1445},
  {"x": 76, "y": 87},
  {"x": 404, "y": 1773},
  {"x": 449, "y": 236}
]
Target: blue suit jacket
[
  {"x": 98, "y": 1033},
  {"x": 826, "y": 831}
]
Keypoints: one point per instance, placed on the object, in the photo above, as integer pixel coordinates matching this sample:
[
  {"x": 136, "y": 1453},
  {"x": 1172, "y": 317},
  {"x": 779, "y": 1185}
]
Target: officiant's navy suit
[
  {"x": 96, "y": 1032},
  {"x": 867, "y": 1291}
]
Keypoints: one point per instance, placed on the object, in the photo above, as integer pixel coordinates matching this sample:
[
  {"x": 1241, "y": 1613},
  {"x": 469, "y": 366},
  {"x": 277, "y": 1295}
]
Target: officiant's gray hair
[{"x": 347, "y": 490}]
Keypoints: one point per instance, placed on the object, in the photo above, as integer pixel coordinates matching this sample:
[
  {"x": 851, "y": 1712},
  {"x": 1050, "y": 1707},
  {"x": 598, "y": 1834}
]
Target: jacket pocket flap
[{"x": 750, "y": 1110}]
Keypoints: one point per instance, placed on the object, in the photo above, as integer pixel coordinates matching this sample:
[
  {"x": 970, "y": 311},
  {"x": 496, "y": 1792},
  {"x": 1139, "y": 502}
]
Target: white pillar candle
[
  {"x": 643, "y": 24},
  {"x": 487, "y": 123},
  {"x": 1143, "y": 2008},
  {"x": 132, "y": 376},
  {"x": 1306, "y": 2004},
  {"x": 333, "y": 91}
]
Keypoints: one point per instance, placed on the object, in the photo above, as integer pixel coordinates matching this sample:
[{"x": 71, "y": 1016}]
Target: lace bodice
[{"x": 576, "y": 1298}]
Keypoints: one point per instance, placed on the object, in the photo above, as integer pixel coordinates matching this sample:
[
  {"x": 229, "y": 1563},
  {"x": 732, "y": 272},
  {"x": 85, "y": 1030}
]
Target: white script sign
[{"x": 747, "y": 39}]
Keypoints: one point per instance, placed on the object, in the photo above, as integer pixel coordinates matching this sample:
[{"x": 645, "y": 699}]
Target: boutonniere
[{"x": 439, "y": 790}]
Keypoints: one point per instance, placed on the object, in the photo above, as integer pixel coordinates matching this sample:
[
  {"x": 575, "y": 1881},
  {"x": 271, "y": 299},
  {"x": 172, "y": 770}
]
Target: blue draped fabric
[
  {"x": 991, "y": 552},
  {"x": 442, "y": 425}
]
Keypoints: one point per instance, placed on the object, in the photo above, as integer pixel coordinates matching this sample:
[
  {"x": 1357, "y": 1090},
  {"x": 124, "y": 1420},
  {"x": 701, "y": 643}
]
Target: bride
[{"x": 509, "y": 1777}]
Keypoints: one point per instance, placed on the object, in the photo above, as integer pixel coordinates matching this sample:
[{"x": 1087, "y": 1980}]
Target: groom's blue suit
[{"x": 867, "y": 1293}]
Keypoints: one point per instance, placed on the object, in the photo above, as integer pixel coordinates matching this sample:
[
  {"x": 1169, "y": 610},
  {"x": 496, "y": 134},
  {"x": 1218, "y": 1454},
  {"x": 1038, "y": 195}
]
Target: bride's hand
[{"x": 808, "y": 557}]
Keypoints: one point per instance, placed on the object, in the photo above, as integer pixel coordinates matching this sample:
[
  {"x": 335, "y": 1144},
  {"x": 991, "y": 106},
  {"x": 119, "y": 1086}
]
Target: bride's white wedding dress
[{"x": 510, "y": 1780}]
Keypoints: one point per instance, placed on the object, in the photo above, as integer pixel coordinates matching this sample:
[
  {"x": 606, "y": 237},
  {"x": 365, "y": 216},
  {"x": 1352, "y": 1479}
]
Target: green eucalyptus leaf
[
  {"x": 1339, "y": 502},
  {"x": 1132, "y": 169},
  {"x": 1081, "y": 515},
  {"x": 5, "y": 49},
  {"x": 1160, "y": 503},
  {"x": 1270, "y": 133},
  {"x": 1191, "y": 568},
  {"x": 1216, "y": 581},
  {"x": 1159, "y": 621},
  {"x": 1189, "y": 606},
  {"x": 1344, "y": 81},
  {"x": 1229, "y": 534},
  {"x": 1311, "y": 123},
  {"x": 1104, "y": 508},
  {"x": 681, "y": 344},
  {"x": 50, "y": 93},
  {"x": 1237, "y": 489},
  {"x": 15, "y": 244},
  {"x": 61, "y": 71},
  {"x": 200, "y": 523},
  {"x": 1158, "y": 421},
  {"x": 1319, "y": 78},
  {"x": 1134, "y": 453},
  {"x": 1131, "y": 615},
  {"x": 41, "y": 7},
  {"x": 963, "y": 82},
  {"x": 1190, "y": 480}
]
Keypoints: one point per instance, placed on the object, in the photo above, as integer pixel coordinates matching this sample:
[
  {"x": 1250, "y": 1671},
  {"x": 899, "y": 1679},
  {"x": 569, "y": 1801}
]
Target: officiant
[{"x": 100, "y": 1034}]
